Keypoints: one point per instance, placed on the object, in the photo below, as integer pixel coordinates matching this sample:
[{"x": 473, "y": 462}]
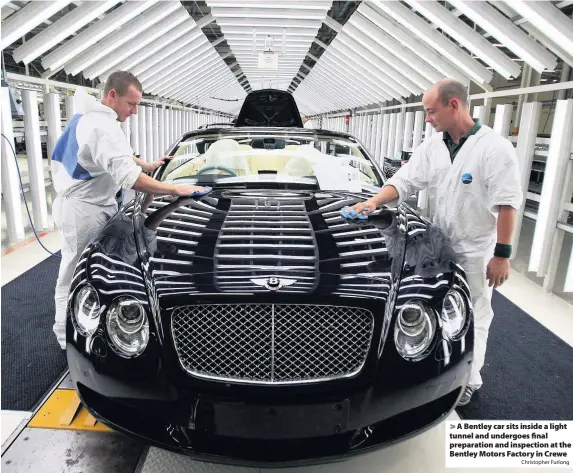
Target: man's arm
[
  {"x": 144, "y": 183},
  {"x": 498, "y": 268},
  {"x": 506, "y": 220},
  {"x": 150, "y": 167}
]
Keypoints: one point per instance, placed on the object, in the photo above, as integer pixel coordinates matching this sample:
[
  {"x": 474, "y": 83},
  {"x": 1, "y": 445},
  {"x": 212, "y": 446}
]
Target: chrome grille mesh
[{"x": 272, "y": 343}]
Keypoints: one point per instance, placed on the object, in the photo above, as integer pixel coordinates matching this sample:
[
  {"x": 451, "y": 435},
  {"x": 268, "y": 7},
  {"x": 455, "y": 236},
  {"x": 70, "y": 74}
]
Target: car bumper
[{"x": 211, "y": 430}]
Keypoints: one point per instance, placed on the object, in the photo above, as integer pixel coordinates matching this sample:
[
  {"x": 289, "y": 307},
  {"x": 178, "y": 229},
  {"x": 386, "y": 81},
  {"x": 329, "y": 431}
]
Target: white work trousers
[
  {"x": 483, "y": 315},
  {"x": 79, "y": 224}
]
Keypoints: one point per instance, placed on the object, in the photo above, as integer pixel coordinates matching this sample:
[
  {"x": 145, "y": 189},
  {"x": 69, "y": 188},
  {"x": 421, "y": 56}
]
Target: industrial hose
[{"x": 24, "y": 197}]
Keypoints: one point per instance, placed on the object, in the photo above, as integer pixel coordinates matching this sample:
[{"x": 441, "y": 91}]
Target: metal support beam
[{"x": 10, "y": 182}]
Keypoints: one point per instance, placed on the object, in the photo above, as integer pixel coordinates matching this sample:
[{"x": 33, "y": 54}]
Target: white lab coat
[
  {"x": 92, "y": 160},
  {"x": 463, "y": 198}
]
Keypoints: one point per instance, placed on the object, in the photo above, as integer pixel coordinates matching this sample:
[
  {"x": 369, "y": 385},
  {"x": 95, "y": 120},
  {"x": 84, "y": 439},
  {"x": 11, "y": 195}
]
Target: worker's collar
[
  {"x": 472, "y": 131},
  {"x": 100, "y": 107}
]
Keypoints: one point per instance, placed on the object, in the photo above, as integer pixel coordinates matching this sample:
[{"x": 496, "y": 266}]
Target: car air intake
[{"x": 272, "y": 343}]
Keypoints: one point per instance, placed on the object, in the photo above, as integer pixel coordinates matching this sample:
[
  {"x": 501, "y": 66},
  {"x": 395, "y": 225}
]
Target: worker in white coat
[
  {"x": 91, "y": 162},
  {"x": 471, "y": 175}
]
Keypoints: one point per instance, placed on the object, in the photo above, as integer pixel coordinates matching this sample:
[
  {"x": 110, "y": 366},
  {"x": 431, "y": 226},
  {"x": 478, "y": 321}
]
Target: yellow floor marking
[{"x": 63, "y": 410}]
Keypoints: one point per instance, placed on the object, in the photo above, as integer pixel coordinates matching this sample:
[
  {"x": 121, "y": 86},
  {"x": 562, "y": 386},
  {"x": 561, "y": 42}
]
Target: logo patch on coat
[{"x": 467, "y": 178}]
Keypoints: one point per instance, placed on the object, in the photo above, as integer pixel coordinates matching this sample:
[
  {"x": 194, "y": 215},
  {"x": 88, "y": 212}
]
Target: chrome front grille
[{"x": 272, "y": 343}]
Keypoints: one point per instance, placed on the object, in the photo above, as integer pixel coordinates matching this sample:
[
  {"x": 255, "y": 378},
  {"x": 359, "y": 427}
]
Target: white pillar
[
  {"x": 54, "y": 119},
  {"x": 530, "y": 115},
  {"x": 10, "y": 183},
  {"x": 418, "y": 129},
  {"x": 167, "y": 132},
  {"x": 408, "y": 131},
  {"x": 70, "y": 107},
  {"x": 399, "y": 136},
  {"x": 384, "y": 139},
  {"x": 378, "y": 143},
  {"x": 149, "y": 145},
  {"x": 172, "y": 129},
  {"x": 161, "y": 130},
  {"x": 35, "y": 161},
  {"x": 429, "y": 131},
  {"x": 134, "y": 125},
  {"x": 555, "y": 172},
  {"x": 142, "y": 135},
  {"x": 503, "y": 119},
  {"x": 479, "y": 113},
  {"x": 392, "y": 135},
  {"x": 157, "y": 150}
]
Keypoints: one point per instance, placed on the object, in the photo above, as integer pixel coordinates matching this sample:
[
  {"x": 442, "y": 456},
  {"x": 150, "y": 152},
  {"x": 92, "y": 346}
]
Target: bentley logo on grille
[{"x": 273, "y": 284}]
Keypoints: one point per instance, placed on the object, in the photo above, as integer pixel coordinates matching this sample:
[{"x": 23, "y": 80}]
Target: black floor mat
[
  {"x": 32, "y": 360},
  {"x": 528, "y": 372}
]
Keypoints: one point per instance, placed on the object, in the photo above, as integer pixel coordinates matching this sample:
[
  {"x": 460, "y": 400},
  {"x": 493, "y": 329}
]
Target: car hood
[{"x": 267, "y": 242}]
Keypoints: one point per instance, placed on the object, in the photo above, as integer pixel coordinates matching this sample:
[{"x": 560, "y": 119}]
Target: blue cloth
[
  {"x": 66, "y": 151},
  {"x": 199, "y": 193},
  {"x": 352, "y": 214}
]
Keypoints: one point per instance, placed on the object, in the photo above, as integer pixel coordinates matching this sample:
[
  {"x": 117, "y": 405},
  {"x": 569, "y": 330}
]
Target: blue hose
[{"x": 24, "y": 197}]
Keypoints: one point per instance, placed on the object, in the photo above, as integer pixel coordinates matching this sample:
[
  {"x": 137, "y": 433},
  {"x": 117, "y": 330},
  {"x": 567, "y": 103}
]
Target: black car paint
[{"x": 152, "y": 397}]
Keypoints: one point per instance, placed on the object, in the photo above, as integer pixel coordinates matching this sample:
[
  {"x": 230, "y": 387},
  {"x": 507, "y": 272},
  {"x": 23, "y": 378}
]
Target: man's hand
[
  {"x": 366, "y": 207},
  {"x": 155, "y": 164},
  {"x": 184, "y": 190},
  {"x": 497, "y": 271}
]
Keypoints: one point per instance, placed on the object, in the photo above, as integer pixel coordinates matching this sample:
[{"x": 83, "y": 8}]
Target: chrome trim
[
  {"x": 271, "y": 257},
  {"x": 259, "y": 338},
  {"x": 265, "y": 237}
]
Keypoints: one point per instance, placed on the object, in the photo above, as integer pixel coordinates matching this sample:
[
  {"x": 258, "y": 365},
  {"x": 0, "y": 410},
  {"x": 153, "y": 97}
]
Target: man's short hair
[
  {"x": 120, "y": 82},
  {"x": 452, "y": 89}
]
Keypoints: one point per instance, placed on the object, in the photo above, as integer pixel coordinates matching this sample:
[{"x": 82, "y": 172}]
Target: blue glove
[
  {"x": 352, "y": 214},
  {"x": 199, "y": 193}
]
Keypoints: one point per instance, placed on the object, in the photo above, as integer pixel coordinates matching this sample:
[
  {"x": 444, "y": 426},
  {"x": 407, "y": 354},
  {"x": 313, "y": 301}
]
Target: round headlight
[
  {"x": 414, "y": 330},
  {"x": 86, "y": 310},
  {"x": 127, "y": 327},
  {"x": 454, "y": 312}
]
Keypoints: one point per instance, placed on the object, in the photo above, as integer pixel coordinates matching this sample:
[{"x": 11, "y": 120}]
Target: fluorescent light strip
[
  {"x": 147, "y": 37},
  {"x": 436, "y": 40},
  {"x": 26, "y": 19},
  {"x": 466, "y": 36},
  {"x": 424, "y": 53},
  {"x": 548, "y": 19},
  {"x": 115, "y": 40},
  {"x": 505, "y": 31},
  {"x": 61, "y": 29}
]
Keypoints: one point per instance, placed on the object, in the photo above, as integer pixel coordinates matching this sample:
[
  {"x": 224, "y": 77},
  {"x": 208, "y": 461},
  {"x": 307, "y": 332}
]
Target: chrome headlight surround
[
  {"x": 86, "y": 310},
  {"x": 414, "y": 330},
  {"x": 127, "y": 327},
  {"x": 454, "y": 314}
]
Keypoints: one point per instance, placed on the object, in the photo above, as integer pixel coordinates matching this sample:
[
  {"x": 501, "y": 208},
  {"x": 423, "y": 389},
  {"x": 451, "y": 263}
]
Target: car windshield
[{"x": 321, "y": 161}]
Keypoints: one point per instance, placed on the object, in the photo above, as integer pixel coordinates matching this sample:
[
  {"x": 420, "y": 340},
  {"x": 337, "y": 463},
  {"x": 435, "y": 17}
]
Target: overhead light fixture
[
  {"x": 547, "y": 18},
  {"x": 425, "y": 54},
  {"x": 26, "y": 19},
  {"x": 436, "y": 40},
  {"x": 467, "y": 37},
  {"x": 115, "y": 41},
  {"x": 505, "y": 31},
  {"x": 61, "y": 29},
  {"x": 147, "y": 37},
  {"x": 91, "y": 35}
]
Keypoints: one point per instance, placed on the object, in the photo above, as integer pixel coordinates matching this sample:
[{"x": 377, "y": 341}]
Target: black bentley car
[{"x": 255, "y": 325}]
